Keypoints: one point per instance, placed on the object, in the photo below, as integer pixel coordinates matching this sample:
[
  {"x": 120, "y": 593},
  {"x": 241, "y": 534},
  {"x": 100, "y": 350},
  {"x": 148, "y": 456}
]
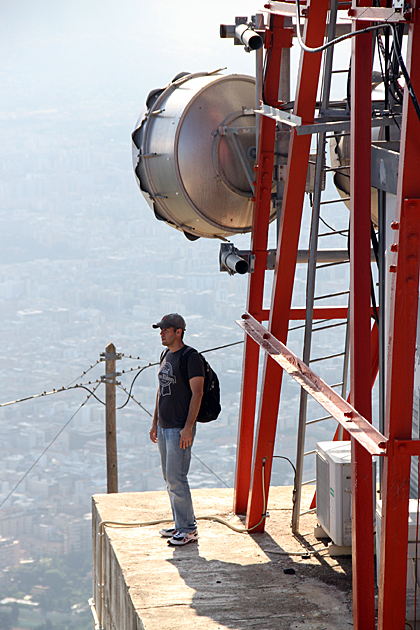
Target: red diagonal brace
[
  {"x": 358, "y": 427},
  {"x": 291, "y": 215},
  {"x": 264, "y": 174}
]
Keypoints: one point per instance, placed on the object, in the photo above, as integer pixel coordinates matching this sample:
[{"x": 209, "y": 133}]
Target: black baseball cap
[{"x": 173, "y": 319}]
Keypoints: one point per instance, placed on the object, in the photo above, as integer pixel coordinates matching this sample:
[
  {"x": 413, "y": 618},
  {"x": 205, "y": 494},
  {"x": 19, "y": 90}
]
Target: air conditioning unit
[
  {"x": 413, "y": 563},
  {"x": 333, "y": 490}
]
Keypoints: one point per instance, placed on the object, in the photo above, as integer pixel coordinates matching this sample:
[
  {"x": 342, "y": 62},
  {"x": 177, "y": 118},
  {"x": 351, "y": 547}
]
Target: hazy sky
[{"x": 56, "y": 51}]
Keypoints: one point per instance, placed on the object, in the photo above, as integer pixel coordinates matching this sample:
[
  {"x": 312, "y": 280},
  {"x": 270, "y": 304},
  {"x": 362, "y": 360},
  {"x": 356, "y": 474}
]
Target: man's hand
[
  {"x": 186, "y": 437},
  {"x": 153, "y": 434}
]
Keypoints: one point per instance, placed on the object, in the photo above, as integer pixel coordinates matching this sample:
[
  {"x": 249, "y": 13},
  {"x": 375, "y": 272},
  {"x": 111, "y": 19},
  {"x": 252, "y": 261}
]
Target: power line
[
  {"x": 85, "y": 372},
  {"x": 57, "y": 391},
  {"x": 47, "y": 447}
]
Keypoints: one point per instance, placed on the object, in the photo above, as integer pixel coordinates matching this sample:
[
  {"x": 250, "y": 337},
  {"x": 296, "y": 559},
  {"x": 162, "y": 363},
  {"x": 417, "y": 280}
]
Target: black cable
[
  {"x": 286, "y": 458},
  {"x": 404, "y": 72},
  {"x": 385, "y": 78},
  {"x": 340, "y": 232},
  {"x": 134, "y": 380},
  {"x": 335, "y": 41}
]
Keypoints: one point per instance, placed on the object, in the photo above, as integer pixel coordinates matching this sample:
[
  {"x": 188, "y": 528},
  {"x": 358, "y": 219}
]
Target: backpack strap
[
  {"x": 163, "y": 355},
  {"x": 183, "y": 364}
]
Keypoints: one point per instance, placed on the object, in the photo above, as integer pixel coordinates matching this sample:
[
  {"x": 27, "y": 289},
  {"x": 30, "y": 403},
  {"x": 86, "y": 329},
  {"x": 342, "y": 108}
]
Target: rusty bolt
[
  {"x": 252, "y": 198},
  {"x": 254, "y": 183},
  {"x": 402, "y": 447},
  {"x": 412, "y": 205},
  {"x": 245, "y": 316},
  {"x": 392, "y": 268},
  {"x": 256, "y": 168},
  {"x": 382, "y": 445},
  {"x": 395, "y": 225},
  {"x": 394, "y": 247},
  {"x": 266, "y": 336}
]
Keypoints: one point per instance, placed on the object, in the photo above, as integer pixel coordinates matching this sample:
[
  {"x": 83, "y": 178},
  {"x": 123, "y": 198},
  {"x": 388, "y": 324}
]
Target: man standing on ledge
[{"x": 173, "y": 428}]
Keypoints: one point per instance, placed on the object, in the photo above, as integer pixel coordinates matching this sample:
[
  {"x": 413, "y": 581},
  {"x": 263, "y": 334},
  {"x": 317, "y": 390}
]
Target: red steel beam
[
  {"x": 401, "y": 355},
  {"x": 360, "y": 327},
  {"x": 358, "y": 427},
  {"x": 277, "y": 38},
  {"x": 291, "y": 215}
]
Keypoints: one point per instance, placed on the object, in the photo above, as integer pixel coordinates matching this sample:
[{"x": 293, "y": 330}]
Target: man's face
[{"x": 169, "y": 335}]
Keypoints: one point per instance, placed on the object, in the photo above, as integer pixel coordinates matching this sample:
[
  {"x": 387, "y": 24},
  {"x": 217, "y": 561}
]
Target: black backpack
[{"x": 210, "y": 403}]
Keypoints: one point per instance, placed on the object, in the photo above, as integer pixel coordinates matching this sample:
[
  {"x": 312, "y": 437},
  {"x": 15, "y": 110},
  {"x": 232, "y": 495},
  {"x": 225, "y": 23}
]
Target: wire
[
  {"x": 130, "y": 395},
  {"x": 239, "y": 530},
  {"x": 331, "y": 228},
  {"x": 212, "y": 471},
  {"x": 228, "y": 345},
  {"x": 286, "y": 458},
  {"x": 46, "y": 448},
  {"x": 85, "y": 372},
  {"x": 405, "y": 73},
  {"x": 132, "y": 385},
  {"x": 385, "y": 76},
  {"x": 375, "y": 27},
  {"x": 56, "y": 391},
  {"x": 333, "y": 42}
]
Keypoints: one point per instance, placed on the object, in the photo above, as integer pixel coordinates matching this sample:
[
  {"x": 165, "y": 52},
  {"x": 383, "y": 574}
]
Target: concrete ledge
[{"x": 226, "y": 580}]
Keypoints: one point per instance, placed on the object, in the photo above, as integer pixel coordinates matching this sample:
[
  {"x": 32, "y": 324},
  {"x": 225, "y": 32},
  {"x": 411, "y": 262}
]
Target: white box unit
[
  {"x": 413, "y": 581},
  {"x": 333, "y": 490}
]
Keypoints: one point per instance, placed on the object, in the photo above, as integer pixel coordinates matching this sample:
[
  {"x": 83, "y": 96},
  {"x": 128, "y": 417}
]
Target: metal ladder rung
[
  {"x": 309, "y": 453},
  {"x": 337, "y": 384},
  {"x": 321, "y": 203},
  {"x": 318, "y": 420},
  {"x": 315, "y": 323},
  {"x": 333, "y": 264},
  {"x": 323, "y": 297},
  {"x": 331, "y": 356},
  {"x": 308, "y": 483},
  {"x": 312, "y": 511},
  {"x": 343, "y": 323}
]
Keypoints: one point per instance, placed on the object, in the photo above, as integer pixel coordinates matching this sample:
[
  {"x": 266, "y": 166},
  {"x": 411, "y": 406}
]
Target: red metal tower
[{"x": 395, "y": 446}]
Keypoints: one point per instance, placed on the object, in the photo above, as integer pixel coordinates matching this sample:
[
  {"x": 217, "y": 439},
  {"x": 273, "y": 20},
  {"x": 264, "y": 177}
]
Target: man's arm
[
  {"x": 153, "y": 428},
  {"x": 196, "y": 384}
]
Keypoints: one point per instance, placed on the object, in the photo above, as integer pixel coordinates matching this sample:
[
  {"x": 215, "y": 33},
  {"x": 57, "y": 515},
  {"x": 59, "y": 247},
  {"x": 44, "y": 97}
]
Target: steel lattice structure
[{"x": 396, "y": 445}]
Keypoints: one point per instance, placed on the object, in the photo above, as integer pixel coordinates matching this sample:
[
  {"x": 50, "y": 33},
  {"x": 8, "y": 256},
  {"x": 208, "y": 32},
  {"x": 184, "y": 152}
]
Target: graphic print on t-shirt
[{"x": 166, "y": 378}]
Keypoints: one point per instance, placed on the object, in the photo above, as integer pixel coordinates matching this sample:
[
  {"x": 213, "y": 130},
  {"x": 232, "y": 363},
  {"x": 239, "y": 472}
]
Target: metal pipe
[
  {"x": 234, "y": 263},
  {"x": 94, "y": 614},
  {"x": 248, "y": 37}
]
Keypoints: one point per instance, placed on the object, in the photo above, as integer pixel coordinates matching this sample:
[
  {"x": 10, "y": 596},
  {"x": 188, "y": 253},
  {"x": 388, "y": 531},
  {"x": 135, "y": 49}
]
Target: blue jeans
[{"x": 175, "y": 466}]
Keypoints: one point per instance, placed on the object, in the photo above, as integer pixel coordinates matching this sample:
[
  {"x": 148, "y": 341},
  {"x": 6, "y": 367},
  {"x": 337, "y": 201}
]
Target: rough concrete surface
[{"x": 226, "y": 580}]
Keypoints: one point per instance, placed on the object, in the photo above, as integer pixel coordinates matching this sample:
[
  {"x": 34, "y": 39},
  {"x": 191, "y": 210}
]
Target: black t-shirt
[{"x": 174, "y": 393}]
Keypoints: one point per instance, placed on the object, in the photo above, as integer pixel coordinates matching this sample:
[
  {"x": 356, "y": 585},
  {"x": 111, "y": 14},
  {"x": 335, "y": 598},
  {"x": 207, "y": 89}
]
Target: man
[{"x": 173, "y": 428}]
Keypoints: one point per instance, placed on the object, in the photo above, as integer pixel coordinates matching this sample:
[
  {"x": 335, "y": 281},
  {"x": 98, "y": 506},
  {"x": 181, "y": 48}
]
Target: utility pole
[{"x": 110, "y": 357}]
